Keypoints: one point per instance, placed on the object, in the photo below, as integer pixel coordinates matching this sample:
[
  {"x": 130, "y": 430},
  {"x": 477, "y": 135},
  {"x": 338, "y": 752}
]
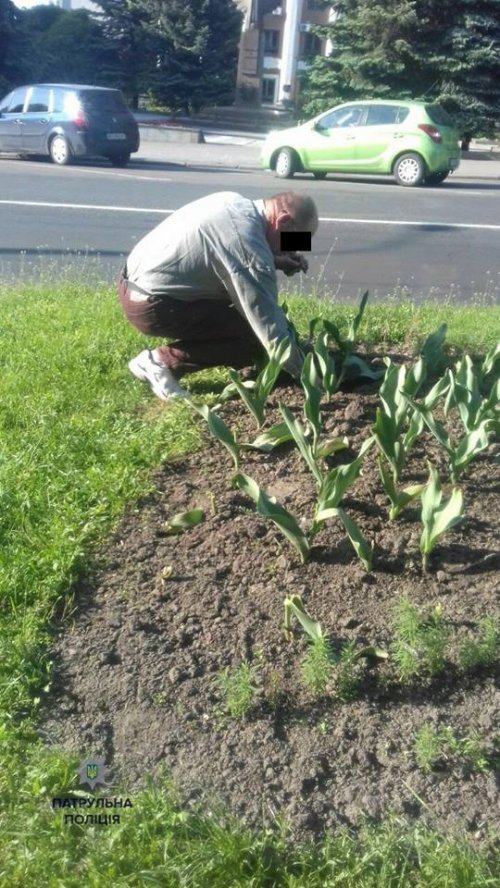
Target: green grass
[
  {"x": 238, "y": 690},
  {"x": 419, "y": 642},
  {"x": 435, "y": 746},
  {"x": 78, "y": 440},
  {"x": 403, "y": 322}
]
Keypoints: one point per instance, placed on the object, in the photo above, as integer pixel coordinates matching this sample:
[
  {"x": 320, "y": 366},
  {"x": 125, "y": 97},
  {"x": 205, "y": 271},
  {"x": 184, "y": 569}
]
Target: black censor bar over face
[{"x": 293, "y": 241}]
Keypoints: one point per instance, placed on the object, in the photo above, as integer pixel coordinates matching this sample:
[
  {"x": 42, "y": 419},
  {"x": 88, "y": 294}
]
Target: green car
[{"x": 415, "y": 142}]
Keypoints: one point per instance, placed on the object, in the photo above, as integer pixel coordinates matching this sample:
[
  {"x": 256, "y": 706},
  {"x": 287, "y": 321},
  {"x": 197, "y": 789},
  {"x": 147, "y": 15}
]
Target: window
[
  {"x": 438, "y": 115},
  {"x": 351, "y": 115},
  {"x": 311, "y": 45},
  {"x": 18, "y": 98},
  {"x": 271, "y": 42},
  {"x": 58, "y": 96},
  {"x": 39, "y": 100},
  {"x": 5, "y": 104},
  {"x": 378, "y": 115},
  {"x": 316, "y": 4},
  {"x": 269, "y": 90},
  {"x": 105, "y": 100}
]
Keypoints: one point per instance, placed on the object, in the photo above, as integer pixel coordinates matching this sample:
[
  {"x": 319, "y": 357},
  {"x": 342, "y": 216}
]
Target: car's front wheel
[
  {"x": 59, "y": 151},
  {"x": 437, "y": 178},
  {"x": 285, "y": 164},
  {"x": 409, "y": 170},
  {"x": 120, "y": 160}
]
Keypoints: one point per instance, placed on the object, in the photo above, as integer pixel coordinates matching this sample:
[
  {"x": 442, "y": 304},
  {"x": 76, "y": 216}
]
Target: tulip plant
[
  {"x": 399, "y": 498},
  {"x": 346, "y": 344},
  {"x": 464, "y": 394},
  {"x": 219, "y": 430},
  {"x": 346, "y": 365},
  {"x": 398, "y": 411},
  {"x": 479, "y": 415},
  {"x": 461, "y": 454},
  {"x": 331, "y": 488},
  {"x": 256, "y": 395},
  {"x": 437, "y": 518},
  {"x": 294, "y": 606},
  {"x": 269, "y": 508}
]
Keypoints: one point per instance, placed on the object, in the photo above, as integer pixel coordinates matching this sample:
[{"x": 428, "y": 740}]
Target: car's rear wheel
[
  {"x": 59, "y": 151},
  {"x": 286, "y": 164},
  {"x": 120, "y": 160},
  {"x": 436, "y": 178},
  {"x": 409, "y": 170},
  {"x": 319, "y": 174}
]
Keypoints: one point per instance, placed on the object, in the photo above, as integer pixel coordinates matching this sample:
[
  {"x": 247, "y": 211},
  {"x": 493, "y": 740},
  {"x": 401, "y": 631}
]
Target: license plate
[
  {"x": 116, "y": 137},
  {"x": 453, "y": 163}
]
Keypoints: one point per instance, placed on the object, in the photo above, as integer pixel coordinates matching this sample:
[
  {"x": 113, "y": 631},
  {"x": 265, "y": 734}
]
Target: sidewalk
[{"x": 475, "y": 164}]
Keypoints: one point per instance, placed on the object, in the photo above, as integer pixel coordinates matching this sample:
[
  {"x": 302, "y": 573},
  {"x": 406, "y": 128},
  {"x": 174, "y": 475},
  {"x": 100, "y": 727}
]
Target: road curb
[{"x": 171, "y": 134}]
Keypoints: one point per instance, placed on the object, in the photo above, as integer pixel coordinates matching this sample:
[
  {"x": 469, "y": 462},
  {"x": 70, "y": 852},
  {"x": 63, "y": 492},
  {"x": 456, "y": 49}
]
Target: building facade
[
  {"x": 78, "y": 4},
  {"x": 276, "y": 46}
]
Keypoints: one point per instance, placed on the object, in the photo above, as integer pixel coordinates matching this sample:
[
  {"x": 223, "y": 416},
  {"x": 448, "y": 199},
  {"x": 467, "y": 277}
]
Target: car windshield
[
  {"x": 439, "y": 115},
  {"x": 103, "y": 101}
]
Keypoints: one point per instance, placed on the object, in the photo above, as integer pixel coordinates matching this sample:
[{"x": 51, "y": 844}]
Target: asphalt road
[{"x": 84, "y": 219}]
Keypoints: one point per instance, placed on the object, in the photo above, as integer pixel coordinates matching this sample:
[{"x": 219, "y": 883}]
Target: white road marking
[
  {"x": 422, "y": 223},
  {"x": 116, "y": 175},
  {"x": 417, "y": 223},
  {"x": 69, "y": 206}
]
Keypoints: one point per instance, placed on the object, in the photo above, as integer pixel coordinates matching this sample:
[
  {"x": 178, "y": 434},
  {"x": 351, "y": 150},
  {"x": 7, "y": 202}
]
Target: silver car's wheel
[
  {"x": 60, "y": 151},
  {"x": 409, "y": 170},
  {"x": 285, "y": 164}
]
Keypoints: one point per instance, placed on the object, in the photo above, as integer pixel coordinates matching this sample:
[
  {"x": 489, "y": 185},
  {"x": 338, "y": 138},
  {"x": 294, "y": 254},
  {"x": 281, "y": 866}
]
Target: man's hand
[{"x": 290, "y": 263}]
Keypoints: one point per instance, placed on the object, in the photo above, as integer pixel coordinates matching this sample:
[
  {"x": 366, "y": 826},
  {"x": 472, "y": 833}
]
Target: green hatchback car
[{"x": 415, "y": 142}]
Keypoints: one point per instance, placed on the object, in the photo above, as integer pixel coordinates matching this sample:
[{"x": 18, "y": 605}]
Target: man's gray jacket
[{"x": 216, "y": 248}]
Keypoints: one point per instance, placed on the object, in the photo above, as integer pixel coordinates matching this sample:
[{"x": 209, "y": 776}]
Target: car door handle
[
  {"x": 397, "y": 135},
  {"x": 350, "y": 138}
]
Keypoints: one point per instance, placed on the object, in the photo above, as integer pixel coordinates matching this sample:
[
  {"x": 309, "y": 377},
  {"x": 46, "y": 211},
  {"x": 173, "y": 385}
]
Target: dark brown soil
[{"x": 135, "y": 674}]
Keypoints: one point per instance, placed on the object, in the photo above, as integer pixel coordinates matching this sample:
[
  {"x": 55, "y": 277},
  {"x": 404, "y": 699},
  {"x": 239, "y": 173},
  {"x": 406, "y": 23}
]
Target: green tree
[
  {"x": 463, "y": 72},
  {"x": 198, "y": 52},
  {"x": 125, "y": 25},
  {"x": 15, "y": 57},
  {"x": 441, "y": 50},
  {"x": 6, "y": 29},
  {"x": 70, "y": 47}
]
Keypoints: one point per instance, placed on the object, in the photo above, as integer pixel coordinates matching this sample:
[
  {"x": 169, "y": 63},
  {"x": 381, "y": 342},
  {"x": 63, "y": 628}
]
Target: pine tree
[
  {"x": 371, "y": 49},
  {"x": 463, "y": 70},
  {"x": 440, "y": 50},
  {"x": 125, "y": 24},
  {"x": 197, "y": 62},
  {"x": 15, "y": 60}
]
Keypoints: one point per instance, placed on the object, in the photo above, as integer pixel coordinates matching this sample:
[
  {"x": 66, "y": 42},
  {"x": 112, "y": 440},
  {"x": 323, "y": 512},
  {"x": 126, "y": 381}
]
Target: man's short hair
[{"x": 301, "y": 208}]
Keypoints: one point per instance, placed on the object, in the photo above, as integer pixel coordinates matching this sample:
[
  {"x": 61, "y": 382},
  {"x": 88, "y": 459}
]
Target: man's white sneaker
[{"x": 159, "y": 377}]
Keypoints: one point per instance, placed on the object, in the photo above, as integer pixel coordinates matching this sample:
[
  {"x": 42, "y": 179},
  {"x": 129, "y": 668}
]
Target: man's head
[{"x": 289, "y": 211}]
